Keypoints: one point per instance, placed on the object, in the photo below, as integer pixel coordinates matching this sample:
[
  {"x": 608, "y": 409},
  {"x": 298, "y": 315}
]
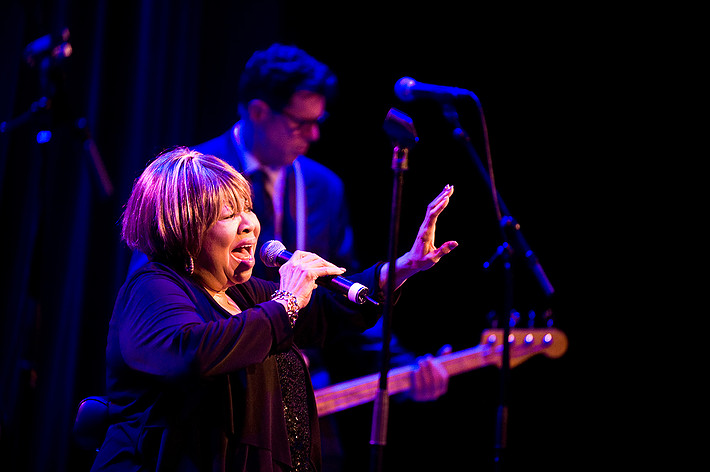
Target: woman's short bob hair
[{"x": 178, "y": 197}]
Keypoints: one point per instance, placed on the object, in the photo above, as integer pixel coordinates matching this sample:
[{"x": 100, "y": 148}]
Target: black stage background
[{"x": 148, "y": 75}]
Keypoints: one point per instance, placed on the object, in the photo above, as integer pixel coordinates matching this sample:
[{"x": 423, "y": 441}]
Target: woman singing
[{"x": 203, "y": 368}]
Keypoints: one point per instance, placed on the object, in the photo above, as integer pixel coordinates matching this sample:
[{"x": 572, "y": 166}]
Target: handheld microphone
[
  {"x": 274, "y": 254},
  {"x": 408, "y": 89}
]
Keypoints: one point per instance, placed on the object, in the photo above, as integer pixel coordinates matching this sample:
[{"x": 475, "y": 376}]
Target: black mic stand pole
[
  {"x": 513, "y": 241},
  {"x": 401, "y": 129}
]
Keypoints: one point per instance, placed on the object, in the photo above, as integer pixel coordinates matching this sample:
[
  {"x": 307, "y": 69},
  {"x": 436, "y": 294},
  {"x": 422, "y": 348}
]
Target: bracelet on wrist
[{"x": 291, "y": 304}]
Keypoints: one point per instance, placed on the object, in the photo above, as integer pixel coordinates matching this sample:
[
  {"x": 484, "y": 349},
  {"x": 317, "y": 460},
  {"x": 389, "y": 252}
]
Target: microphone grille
[
  {"x": 270, "y": 251},
  {"x": 403, "y": 89}
]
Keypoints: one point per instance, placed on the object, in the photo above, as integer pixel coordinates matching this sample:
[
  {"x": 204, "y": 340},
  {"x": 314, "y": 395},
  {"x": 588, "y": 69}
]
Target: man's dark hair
[{"x": 275, "y": 74}]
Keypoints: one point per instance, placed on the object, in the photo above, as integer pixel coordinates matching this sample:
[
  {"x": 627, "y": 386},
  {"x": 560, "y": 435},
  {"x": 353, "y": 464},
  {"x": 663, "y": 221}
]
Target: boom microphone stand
[
  {"x": 46, "y": 54},
  {"x": 513, "y": 242},
  {"x": 400, "y": 129}
]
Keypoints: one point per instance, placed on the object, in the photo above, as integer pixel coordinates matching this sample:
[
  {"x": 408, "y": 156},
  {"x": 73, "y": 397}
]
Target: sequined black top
[{"x": 292, "y": 377}]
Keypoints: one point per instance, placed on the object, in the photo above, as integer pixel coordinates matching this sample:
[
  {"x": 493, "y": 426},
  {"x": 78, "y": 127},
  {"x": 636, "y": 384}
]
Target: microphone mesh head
[
  {"x": 403, "y": 89},
  {"x": 269, "y": 251}
]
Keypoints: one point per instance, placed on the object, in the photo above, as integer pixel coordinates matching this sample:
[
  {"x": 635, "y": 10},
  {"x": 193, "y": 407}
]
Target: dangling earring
[{"x": 190, "y": 265}]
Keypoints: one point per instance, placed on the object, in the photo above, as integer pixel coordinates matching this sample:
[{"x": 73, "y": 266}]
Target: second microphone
[{"x": 274, "y": 254}]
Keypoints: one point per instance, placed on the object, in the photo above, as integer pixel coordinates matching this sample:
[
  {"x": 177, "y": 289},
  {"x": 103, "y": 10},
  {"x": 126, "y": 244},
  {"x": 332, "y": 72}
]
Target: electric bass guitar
[{"x": 524, "y": 343}]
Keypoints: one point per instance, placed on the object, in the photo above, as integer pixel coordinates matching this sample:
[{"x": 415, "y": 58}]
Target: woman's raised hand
[{"x": 424, "y": 253}]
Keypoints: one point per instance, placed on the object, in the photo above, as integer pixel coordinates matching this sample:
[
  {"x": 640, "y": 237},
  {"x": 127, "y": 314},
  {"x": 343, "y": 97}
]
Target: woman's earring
[{"x": 190, "y": 265}]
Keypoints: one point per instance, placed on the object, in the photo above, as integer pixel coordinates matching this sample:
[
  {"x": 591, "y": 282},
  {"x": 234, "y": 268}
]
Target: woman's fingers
[
  {"x": 299, "y": 274},
  {"x": 314, "y": 264},
  {"x": 443, "y": 250},
  {"x": 436, "y": 206}
]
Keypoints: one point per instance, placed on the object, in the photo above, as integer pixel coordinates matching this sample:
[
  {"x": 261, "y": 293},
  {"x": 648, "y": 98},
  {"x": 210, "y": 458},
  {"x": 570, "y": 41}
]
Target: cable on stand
[{"x": 513, "y": 243}]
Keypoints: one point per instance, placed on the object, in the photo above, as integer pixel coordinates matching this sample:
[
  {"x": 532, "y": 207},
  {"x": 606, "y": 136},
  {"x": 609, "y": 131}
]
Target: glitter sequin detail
[{"x": 293, "y": 392}]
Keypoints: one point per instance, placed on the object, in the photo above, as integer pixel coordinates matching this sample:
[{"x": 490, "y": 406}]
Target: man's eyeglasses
[{"x": 304, "y": 125}]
